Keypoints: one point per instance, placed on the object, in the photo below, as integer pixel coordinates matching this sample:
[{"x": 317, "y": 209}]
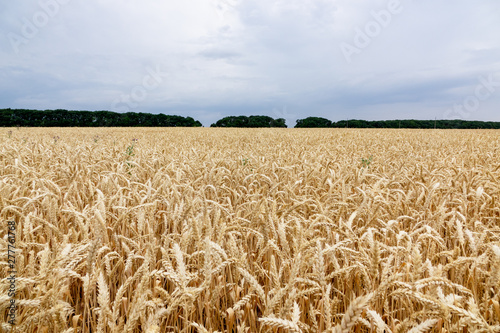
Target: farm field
[{"x": 250, "y": 230}]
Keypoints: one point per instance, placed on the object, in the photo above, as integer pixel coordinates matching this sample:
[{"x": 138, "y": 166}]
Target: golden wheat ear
[{"x": 254, "y": 230}]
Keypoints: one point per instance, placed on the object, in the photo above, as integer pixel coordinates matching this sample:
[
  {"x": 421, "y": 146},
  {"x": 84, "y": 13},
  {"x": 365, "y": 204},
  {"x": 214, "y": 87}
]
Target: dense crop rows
[{"x": 282, "y": 230}]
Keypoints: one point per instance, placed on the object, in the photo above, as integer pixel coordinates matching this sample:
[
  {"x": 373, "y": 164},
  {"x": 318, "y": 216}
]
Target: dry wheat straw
[{"x": 216, "y": 230}]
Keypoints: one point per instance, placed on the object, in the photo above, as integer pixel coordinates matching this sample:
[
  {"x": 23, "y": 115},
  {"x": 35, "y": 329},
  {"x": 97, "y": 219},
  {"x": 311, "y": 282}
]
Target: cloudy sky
[{"x": 338, "y": 59}]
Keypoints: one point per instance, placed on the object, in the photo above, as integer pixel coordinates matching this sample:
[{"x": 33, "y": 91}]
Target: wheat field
[{"x": 251, "y": 230}]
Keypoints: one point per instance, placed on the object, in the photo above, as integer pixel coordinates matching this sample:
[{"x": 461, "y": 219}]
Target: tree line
[
  {"x": 317, "y": 122},
  {"x": 251, "y": 121},
  {"x": 65, "y": 118}
]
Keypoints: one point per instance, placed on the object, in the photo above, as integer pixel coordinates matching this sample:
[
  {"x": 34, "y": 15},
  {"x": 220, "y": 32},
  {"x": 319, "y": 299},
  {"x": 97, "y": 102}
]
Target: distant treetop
[
  {"x": 65, "y": 118},
  {"x": 251, "y": 121},
  {"x": 315, "y": 122}
]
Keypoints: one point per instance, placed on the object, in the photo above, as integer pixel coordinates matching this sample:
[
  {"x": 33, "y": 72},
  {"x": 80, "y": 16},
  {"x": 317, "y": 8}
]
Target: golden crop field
[{"x": 250, "y": 230}]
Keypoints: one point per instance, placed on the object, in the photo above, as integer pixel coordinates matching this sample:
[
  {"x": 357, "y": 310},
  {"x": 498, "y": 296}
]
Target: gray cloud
[{"x": 232, "y": 57}]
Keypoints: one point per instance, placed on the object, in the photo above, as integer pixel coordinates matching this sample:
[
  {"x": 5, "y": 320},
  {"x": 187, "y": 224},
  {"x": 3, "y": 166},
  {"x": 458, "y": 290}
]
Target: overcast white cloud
[{"x": 339, "y": 59}]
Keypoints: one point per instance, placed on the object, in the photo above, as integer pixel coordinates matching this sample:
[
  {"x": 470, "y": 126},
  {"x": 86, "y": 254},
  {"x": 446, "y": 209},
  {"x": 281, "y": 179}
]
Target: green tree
[
  {"x": 313, "y": 122},
  {"x": 251, "y": 121}
]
